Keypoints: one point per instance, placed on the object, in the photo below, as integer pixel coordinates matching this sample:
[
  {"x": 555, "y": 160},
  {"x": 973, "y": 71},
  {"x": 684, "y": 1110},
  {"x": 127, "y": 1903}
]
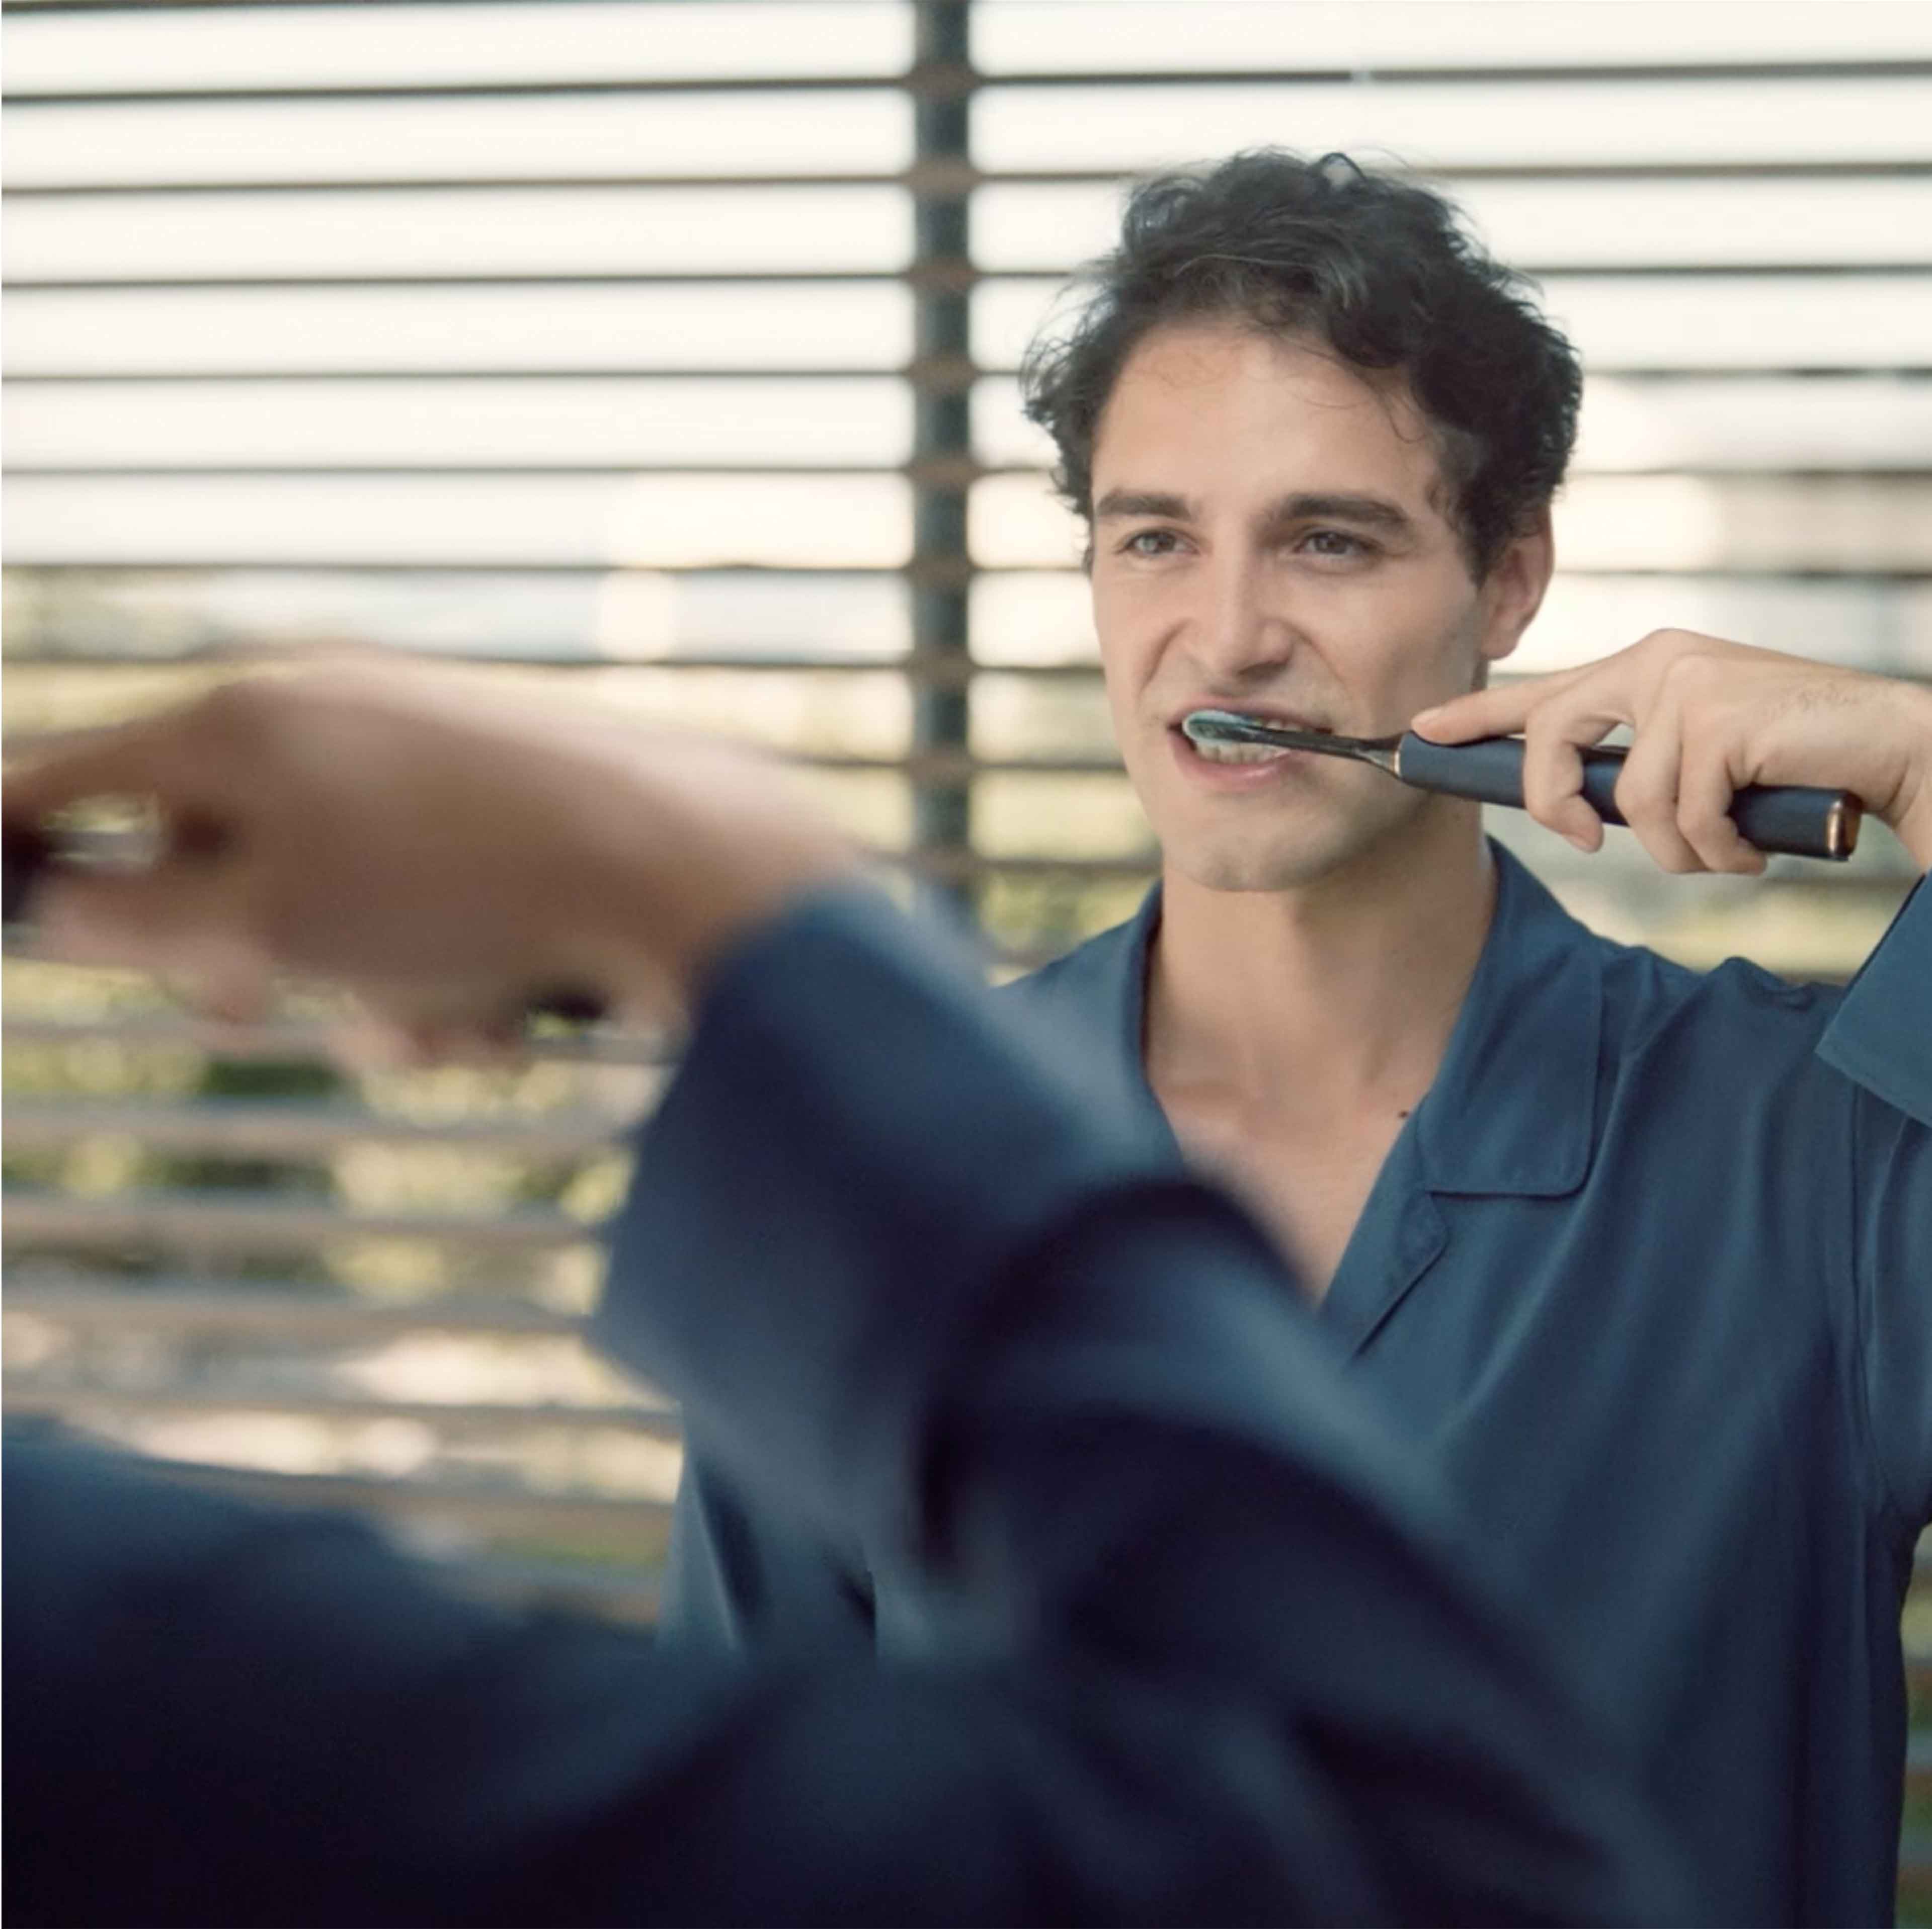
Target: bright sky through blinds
[
  {"x": 512, "y": 232},
  {"x": 840, "y": 129},
  {"x": 556, "y": 43},
  {"x": 1451, "y": 124},
  {"x": 1167, "y": 36},
  {"x": 347, "y": 46},
  {"x": 530, "y": 330}
]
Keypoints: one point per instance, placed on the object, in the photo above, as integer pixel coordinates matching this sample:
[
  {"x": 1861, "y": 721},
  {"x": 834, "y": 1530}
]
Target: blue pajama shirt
[{"x": 1648, "y": 1276}]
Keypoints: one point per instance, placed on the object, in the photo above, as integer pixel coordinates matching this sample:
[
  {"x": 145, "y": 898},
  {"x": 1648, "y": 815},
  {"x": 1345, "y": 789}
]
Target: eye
[
  {"x": 1150, "y": 543},
  {"x": 1336, "y": 545}
]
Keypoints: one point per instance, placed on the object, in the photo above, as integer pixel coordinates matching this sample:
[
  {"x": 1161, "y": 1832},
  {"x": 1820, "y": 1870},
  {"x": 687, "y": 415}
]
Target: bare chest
[{"x": 1306, "y": 1183}]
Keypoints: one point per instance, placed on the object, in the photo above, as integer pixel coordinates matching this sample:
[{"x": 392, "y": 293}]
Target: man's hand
[
  {"x": 446, "y": 850},
  {"x": 1709, "y": 718}
]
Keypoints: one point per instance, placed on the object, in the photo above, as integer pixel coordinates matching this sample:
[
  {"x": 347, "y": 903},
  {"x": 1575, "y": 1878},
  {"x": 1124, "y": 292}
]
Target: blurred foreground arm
[
  {"x": 1208, "y": 1656},
  {"x": 443, "y": 847}
]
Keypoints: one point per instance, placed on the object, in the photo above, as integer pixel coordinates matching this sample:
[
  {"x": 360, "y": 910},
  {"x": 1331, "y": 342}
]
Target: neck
[{"x": 1333, "y": 994}]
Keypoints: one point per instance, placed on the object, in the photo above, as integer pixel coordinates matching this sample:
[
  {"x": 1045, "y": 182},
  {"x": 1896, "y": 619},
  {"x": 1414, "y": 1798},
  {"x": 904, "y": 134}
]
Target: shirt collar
[{"x": 1512, "y": 1108}]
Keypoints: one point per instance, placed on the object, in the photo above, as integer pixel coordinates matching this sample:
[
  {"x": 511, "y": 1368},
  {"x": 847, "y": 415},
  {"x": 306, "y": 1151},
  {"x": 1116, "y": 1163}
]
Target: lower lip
[{"x": 1237, "y": 777}]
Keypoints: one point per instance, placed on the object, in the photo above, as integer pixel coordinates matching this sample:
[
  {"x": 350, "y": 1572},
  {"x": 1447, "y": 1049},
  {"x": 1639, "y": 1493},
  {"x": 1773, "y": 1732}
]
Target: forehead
[{"x": 1204, "y": 409}]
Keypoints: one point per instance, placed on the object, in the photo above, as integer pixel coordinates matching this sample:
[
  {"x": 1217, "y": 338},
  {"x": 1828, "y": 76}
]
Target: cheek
[
  {"x": 1422, "y": 651},
  {"x": 1453, "y": 666},
  {"x": 1122, "y": 689},
  {"x": 1129, "y": 633}
]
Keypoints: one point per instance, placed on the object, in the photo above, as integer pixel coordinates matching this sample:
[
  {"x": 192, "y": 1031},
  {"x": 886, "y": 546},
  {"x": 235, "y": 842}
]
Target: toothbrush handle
[{"x": 1800, "y": 820}]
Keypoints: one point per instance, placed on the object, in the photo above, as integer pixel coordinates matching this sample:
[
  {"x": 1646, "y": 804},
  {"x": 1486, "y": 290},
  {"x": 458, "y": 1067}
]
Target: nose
[{"x": 1239, "y": 636}]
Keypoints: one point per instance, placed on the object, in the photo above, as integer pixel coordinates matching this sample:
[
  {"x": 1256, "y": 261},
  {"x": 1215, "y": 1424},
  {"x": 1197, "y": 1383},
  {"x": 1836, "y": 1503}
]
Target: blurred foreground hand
[{"x": 446, "y": 850}]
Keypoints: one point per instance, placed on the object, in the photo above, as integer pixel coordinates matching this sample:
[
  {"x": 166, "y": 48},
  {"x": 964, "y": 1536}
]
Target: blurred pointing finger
[{"x": 144, "y": 758}]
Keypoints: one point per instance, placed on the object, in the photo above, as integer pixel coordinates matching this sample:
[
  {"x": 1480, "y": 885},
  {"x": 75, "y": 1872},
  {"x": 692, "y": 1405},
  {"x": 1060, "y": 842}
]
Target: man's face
[{"x": 1269, "y": 537}]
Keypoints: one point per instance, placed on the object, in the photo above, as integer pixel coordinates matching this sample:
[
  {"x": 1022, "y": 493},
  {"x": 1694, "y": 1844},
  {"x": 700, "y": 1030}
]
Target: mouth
[{"x": 1201, "y": 746}]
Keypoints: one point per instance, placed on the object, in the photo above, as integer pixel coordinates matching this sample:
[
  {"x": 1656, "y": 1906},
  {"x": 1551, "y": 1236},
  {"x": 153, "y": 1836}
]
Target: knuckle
[
  {"x": 241, "y": 700},
  {"x": 1702, "y": 810},
  {"x": 1642, "y": 805},
  {"x": 1704, "y": 834},
  {"x": 1690, "y": 676},
  {"x": 240, "y": 713},
  {"x": 1712, "y": 851}
]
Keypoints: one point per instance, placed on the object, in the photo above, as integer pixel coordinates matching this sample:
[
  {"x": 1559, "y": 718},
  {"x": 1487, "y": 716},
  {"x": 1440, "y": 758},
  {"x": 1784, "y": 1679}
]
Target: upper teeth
[{"x": 1215, "y": 751}]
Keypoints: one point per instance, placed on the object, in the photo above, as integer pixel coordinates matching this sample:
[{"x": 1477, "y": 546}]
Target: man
[
  {"x": 1200, "y": 1648},
  {"x": 1642, "y": 1260}
]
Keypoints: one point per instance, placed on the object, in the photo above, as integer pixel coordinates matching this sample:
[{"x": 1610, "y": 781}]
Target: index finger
[
  {"x": 1500, "y": 711},
  {"x": 146, "y": 757}
]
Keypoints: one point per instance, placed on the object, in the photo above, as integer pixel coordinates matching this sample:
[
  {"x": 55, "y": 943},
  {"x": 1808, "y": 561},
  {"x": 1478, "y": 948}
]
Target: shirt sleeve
[
  {"x": 1881, "y": 1038},
  {"x": 1210, "y": 1655},
  {"x": 738, "y": 1578},
  {"x": 1881, "y": 1035}
]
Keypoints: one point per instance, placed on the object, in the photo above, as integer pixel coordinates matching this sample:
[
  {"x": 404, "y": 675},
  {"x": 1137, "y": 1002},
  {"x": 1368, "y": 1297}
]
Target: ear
[{"x": 1513, "y": 590}]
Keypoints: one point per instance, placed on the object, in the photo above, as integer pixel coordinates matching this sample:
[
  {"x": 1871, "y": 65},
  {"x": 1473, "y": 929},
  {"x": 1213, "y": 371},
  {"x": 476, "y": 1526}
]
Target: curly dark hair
[{"x": 1381, "y": 270}]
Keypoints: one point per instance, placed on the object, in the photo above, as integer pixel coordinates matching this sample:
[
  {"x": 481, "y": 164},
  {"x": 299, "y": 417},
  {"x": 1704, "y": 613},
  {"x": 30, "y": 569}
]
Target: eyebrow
[
  {"x": 1142, "y": 502},
  {"x": 1372, "y": 511},
  {"x": 1375, "y": 511}
]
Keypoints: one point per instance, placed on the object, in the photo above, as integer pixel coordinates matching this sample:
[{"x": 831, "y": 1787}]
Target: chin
[
  {"x": 1227, "y": 867},
  {"x": 1282, "y": 857}
]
